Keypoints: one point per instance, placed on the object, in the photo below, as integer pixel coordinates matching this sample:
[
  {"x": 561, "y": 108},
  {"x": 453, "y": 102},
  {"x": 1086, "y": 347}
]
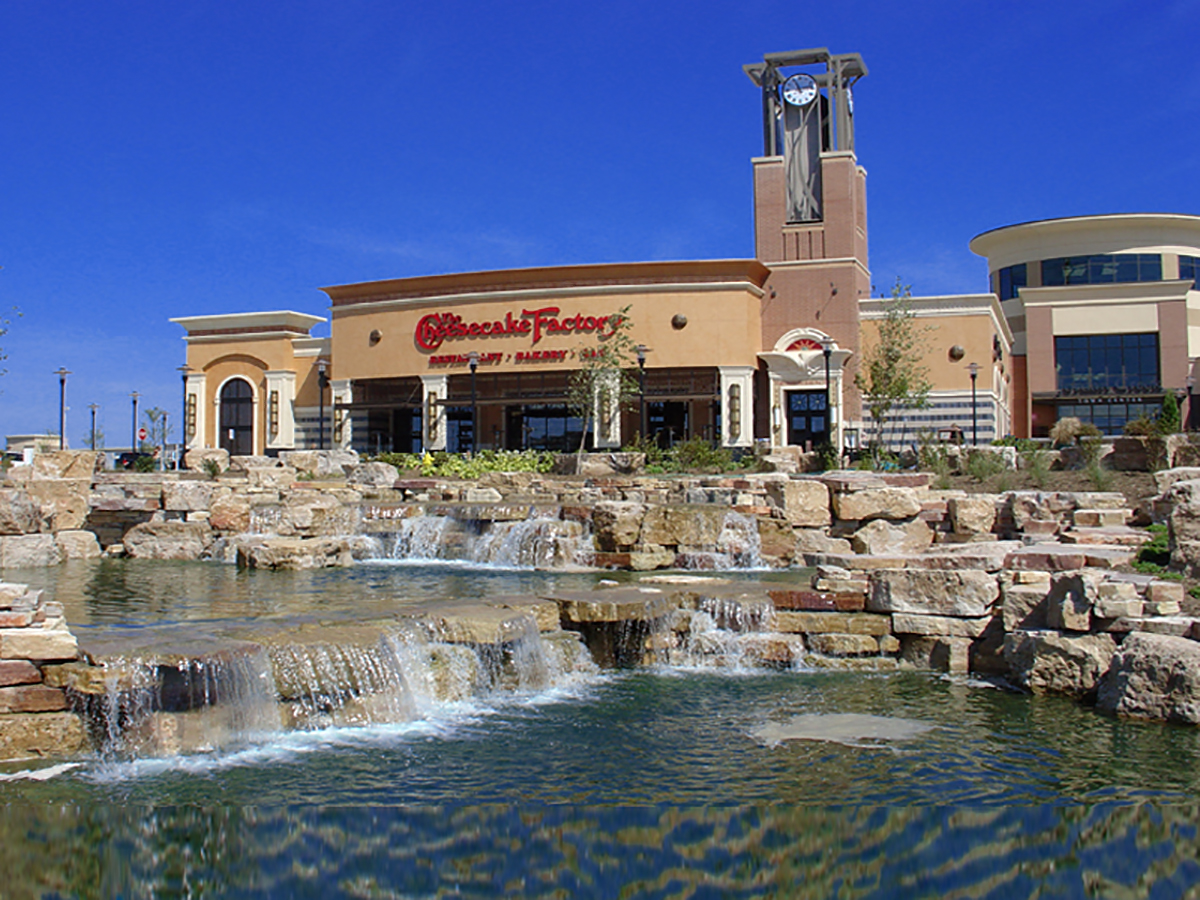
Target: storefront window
[
  {"x": 1189, "y": 269},
  {"x": 1096, "y": 363},
  {"x": 1110, "y": 416},
  {"x": 1108, "y": 268}
]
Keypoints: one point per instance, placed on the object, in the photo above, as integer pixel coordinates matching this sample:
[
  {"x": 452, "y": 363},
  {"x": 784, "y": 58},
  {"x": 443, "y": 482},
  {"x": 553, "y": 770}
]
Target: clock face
[{"x": 800, "y": 90}]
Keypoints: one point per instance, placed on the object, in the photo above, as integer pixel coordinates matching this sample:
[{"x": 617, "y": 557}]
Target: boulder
[
  {"x": 1154, "y": 676},
  {"x": 80, "y": 464},
  {"x": 880, "y": 536},
  {"x": 1052, "y": 662},
  {"x": 943, "y": 626},
  {"x": 940, "y": 653},
  {"x": 692, "y": 526},
  {"x": 65, "y": 501},
  {"x": 295, "y": 553},
  {"x": 194, "y": 459},
  {"x": 372, "y": 474},
  {"x": 168, "y": 540},
  {"x": 230, "y": 513},
  {"x": 843, "y": 644},
  {"x": 78, "y": 545},
  {"x": 804, "y": 502},
  {"x": 187, "y": 496},
  {"x": 1023, "y": 606},
  {"x": 1168, "y": 478},
  {"x": 322, "y": 463},
  {"x": 816, "y": 540},
  {"x": 599, "y": 464},
  {"x": 19, "y": 513},
  {"x": 314, "y": 513},
  {"x": 877, "y": 503},
  {"x": 617, "y": 524},
  {"x": 20, "y": 551},
  {"x": 481, "y": 495},
  {"x": 971, "y": 515},
  {"x": 940, "y": 592},
  {"x": 38, "y": 642}
]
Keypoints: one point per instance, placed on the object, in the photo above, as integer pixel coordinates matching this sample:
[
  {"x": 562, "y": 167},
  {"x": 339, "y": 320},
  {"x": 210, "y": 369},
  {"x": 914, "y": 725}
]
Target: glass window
[
  {"x": 1189, "y": 268},
  {"x": 1106, "y": 362},
  {"x": 1012, "y": 279},
  {"x": 1105, "y": 268}
]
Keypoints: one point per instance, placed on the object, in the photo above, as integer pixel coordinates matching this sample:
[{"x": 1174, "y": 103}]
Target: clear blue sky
[{"x": 170, "y": 159}]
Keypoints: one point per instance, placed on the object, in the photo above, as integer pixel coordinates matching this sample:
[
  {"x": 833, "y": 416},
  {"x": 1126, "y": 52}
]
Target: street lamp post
[
  {"x": 183, "y": 422},
  {"x": 62, "y": 374},
  {"x": 974, "y": 370},
  {"x": 473, "y": 362},
  {"x": 641, "y": 358},
  {"x": 133, "y": 431},
  {"x": 93, "y": 407},
  {"x": 827, "y": 351},
  {"x": 322, "y": 383},
  {"x": 1189, "y": 422}
]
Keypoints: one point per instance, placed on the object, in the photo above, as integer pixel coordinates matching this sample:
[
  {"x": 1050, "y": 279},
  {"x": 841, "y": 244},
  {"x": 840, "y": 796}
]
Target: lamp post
[
  {"x": 93, "y": 407},
  {"x": 641, "y": 358},
  {"x": 162, "y": 457},
  {"x": 62, "y": 374},
  {"x": 974, "y": 370},
  {"x": 322, "y": 383},
  {"x": 827, "y": 350},
  {"x": 473, "y": 362},
  {"x": 133, "y": 431},
  {"x": 183, "y": 422},
  {"x": 1191, "y": 383}
]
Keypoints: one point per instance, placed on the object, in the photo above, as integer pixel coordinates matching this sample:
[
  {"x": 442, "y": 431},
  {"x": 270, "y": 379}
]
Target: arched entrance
[{"x": 237, "y": 417}]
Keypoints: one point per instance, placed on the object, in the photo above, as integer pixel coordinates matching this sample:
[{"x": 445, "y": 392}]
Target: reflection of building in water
[{"x": 1088, "y": 317}]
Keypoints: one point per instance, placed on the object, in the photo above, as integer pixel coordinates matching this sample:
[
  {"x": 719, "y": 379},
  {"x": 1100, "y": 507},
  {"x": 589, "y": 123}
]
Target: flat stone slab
[
  {"x": 817, "y": 601},
  {"x": 618, "y": 604},
  {"x": 832, "y": 623},
  {"x": 1114, "y": 536},
  {"x": 857, "y": 562},
  {"x": 945, "y": 626}
]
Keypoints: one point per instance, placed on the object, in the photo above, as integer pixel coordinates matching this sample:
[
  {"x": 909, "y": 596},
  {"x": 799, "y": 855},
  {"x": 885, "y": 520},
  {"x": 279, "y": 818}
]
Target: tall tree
[
  {"x": 603, "y": 382},
  {"x": 892, "y": 374}
]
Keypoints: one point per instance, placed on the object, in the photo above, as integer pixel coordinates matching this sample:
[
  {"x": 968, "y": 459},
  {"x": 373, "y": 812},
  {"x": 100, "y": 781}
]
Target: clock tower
[{"x": 810, "y": 228}]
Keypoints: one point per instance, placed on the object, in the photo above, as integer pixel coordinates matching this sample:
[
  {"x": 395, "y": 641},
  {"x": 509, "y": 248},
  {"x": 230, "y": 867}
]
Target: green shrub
[
  {"x": 1036, "y": 464},
  {"x": 1169, "y": 421},
  {"x": 453, "y": 465},
  {"x": 1142, "y": 426},
  {"x": 982, "y": 466},
  {"x": 211, "y": 467},
  {"x": 145, "y": 464},
  {"x": 697, "y": 454},
  {"x": 1100, "y": 477}
]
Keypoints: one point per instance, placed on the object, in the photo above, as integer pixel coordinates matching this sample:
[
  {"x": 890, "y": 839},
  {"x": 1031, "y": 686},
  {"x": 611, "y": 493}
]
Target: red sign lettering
[{"x": 434, "y": 329}]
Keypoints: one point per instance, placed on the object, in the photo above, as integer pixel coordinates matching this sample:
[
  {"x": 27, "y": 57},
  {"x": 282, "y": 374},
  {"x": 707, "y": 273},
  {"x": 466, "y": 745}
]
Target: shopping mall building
[{"x": 1087, "y": 316}]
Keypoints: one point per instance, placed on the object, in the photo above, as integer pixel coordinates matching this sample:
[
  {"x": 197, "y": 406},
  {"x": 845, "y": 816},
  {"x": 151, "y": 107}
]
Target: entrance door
[
  {"x": 808, "y": 419},
  {"x": 668, "y": 422},
  {"x": 237, "y": 417}
]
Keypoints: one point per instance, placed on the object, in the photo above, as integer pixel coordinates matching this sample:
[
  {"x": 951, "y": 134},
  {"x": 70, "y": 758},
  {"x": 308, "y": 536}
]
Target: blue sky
[{"x": 170, "y": 159}]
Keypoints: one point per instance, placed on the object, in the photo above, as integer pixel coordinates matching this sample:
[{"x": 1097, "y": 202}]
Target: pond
[{"x": 660, "y": 781}]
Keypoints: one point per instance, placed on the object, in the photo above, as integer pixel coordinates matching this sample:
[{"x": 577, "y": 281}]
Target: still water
[{"x": 667, "y": 782}]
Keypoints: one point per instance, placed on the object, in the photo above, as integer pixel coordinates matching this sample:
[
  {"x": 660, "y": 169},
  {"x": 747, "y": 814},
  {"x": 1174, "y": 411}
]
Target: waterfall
[
  {"x": 542, "y": 540},
  {"x": 738, "y": 547}
]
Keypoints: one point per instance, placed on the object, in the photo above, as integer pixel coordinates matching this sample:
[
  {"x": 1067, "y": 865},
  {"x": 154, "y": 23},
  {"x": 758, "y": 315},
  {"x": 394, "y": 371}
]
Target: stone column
[
  {"x": 197, "y": 385},
  {"x": 607, "y": 411}
]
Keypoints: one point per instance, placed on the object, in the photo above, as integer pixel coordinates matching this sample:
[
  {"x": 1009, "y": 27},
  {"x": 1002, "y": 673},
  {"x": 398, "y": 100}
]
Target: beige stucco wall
[{"x": 722, "y": 330}]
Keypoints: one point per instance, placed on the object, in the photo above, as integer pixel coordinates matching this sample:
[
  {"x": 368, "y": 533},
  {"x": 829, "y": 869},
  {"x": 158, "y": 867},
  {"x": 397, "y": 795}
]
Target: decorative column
[
  {"x": 281, "y": 400},
  {"x": 341, "y": 392},
  {"x": 196, "y": 424},
  {"x": 737, "y": 406},
  {"x": 433, "y": 419},
  {"x": 607, "y": 411}
]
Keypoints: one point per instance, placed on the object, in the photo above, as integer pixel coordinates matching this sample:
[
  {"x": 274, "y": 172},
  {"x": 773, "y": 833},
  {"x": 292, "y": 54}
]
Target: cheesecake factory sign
[{"x": 436, "y": 328}]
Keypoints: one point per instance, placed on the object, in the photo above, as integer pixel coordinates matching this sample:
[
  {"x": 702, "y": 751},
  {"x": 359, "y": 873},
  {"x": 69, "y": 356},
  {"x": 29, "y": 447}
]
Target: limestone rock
[
  {"x": 19, "y": 513},
  {"x": 648, "y": 557},
  {"x": 1052, "y": 662},
  {"x": 971, "y": 515},
  {"x": 373, "y": 474},
  {"x": 692, "y": 526},
  {"x": 832, "y": 644},
  {"x": 1154, "y": 676},
  {"x": 815, "y": 540},
  {"x": 1168, "y": 478},
  {"x": 37, "y": 643},
  {"x": 295, "y": 553},
  {"x": 777, "y": 540},
  {"x": 187, "y": 496},
  {"x": 323, "y": 463},
  {"x": 194, "y": 459},
  {"x": 1117, "y": 599},
  {"x": 807, "y": 622},
  {"x": 65, "y": 501},
  {"x": 880, "y": 537},
  {"x": 168, "y": 540},
  {"x": 877, "y": 503},
  {"x": 268, "y": 478},
  {"x": 21, "y": 551},
  {"x": 1023, "y": 606},
  {"x": 617, "y": 524},
  {"x": 771, "y": 649},
  {"x": 964, "y": 593},
  {"x": 946, "y": 626},
  {"x": 75, "y": 464},
  {"x": 41, "y": 734},
  {"x": 942, "y": 654},
  {"x": 230, "y": 513},
  {"x": 1070, "y": 600},
  {"x": 804, "y": 502},
  {"x": 78, "y": 545}
]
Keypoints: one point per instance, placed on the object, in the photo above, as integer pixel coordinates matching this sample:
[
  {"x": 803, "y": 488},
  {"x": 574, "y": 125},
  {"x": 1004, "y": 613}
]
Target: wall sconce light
[
  {"x": 190, "y": 422},
  {"x": 431, "y": 415},
  {"x": 678, "y": 321},
  {"x": 957, "y": 353},
  {"x": 776, "y": 418},
  {"x": 375, "y": 337}
]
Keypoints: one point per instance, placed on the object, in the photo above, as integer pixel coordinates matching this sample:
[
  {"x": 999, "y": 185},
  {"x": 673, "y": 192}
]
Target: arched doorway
[{"x": 237, "y": 417}]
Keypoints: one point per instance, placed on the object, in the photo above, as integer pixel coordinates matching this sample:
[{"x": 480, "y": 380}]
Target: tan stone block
[
  {"x": 889, "y": 643},
  {"x": 18, "y": 671},
  {"x": 37, "y": 643},
  {"x": 65, "y": 500},
  {"x": 805, "y": 503},
  {"x": 877, "y": 503},
  {"x": 832, "y": 644},
  {"x": 41, "y": 734},
  {"x": 1159, "y": 591},
  {"x": 31, "y": 698},
  {"x": 944, "y": 626},
  {"x": 971, "y": 515},
  {"x": 831, "y": 622}
]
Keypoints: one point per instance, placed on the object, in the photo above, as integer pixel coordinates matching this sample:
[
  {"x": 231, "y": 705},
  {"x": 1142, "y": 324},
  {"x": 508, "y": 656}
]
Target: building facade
[{"x": 1104, "y": 313}]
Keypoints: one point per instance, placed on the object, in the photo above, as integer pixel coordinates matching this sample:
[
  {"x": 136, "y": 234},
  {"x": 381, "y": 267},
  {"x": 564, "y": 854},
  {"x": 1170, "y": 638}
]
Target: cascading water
[
  {"x": 542, "y": 540},
  {"x": 738, "y": 547}
]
